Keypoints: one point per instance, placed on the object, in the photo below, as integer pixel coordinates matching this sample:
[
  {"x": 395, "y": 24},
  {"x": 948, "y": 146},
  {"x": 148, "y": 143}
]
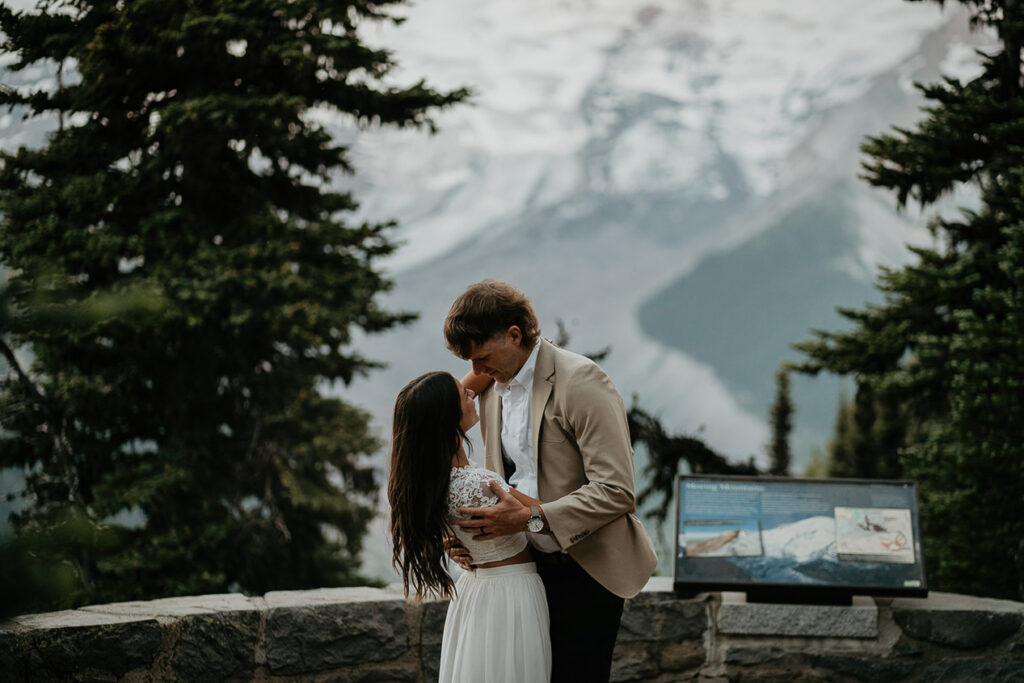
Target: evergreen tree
[
  {"x": 782, "y": 424},
  {"x": 866, "y": 436},
  {"x": 888, "y": 434},
  {"x": 971, "y": 465},
  {"x": 817, "y": 468},
  {"x": 841, "y": 446},
  {"x": 942, "y": 352},
  {"x": 189, "y": 170}
]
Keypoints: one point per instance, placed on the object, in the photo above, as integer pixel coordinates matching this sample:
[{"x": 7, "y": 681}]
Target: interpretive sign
[{"x": 798, "y": 540}]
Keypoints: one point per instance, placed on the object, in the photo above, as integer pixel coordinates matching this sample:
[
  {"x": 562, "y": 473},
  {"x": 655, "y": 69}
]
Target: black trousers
[{"x": 585, "y": 620}]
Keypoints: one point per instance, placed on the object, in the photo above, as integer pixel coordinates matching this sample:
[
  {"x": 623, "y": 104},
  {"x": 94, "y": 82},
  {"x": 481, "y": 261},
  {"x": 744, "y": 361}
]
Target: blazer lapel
[
  {"x": 543, "y": 383},
  {"x": 492, "y": 438}
]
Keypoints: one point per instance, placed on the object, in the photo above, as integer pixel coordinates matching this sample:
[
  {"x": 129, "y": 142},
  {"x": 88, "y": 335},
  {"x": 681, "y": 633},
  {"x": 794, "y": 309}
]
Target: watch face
[{"x": 535, "y": 524}]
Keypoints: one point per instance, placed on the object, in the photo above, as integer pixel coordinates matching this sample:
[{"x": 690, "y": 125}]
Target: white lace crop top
[{"x": 469, "y": 488}]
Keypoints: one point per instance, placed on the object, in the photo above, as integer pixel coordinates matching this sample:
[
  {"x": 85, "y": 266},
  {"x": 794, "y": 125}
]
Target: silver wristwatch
[{"x": 536, "y": 523}]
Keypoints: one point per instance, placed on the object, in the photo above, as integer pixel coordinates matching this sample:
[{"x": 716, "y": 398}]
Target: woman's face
[{"x": 469, "y": 416}]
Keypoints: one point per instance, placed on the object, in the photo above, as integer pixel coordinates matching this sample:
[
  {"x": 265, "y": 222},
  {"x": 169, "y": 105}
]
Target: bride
[{"x": 497, "y": 624}]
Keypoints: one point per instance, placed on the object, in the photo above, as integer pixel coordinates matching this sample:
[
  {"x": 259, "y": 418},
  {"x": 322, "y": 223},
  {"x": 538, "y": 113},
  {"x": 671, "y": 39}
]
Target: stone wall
[{"x": 367, "y": 634}]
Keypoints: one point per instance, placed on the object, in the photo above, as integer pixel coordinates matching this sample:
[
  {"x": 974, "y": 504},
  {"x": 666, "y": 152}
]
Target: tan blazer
[{"x": 584, "y": 463}]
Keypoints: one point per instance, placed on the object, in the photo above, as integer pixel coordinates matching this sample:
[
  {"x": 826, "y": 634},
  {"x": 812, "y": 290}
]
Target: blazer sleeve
[{"x": 596, "y": 418}]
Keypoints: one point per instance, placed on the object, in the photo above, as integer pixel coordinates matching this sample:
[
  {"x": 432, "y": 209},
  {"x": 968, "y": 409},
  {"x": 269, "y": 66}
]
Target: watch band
[{"x": 535, "y": 517}]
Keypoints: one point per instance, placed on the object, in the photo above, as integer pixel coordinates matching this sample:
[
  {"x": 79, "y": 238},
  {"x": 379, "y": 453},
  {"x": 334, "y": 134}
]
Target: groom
[{"x": 555, "y": 427}]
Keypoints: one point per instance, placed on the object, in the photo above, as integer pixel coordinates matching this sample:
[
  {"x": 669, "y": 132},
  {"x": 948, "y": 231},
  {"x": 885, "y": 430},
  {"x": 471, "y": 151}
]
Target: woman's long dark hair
[{"x": 427, "y": 434}]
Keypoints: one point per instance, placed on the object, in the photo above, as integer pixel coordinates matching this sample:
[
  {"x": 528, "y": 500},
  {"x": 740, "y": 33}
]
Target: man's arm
[
  {"x": 508, "y": 516},
  {"x": 597, "y": 418}
]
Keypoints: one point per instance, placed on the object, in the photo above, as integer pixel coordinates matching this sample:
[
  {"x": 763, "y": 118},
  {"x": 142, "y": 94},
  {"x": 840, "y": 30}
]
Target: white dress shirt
[{"x": 516, "y": 400}]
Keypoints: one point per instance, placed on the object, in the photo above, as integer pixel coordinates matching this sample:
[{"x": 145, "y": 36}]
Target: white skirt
[{"x": 497, "y": 628}]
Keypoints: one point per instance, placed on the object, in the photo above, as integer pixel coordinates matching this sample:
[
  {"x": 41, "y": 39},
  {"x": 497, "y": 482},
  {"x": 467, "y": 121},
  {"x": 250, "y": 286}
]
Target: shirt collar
[{"x": 524, "y": 377}]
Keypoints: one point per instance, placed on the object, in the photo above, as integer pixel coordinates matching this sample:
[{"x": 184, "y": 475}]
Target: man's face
[{"x": 500, "y": 357}]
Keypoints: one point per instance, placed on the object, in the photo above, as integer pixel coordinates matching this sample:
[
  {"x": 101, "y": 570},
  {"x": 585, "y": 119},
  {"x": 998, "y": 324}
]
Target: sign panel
[{"x": 814, "y": 540}]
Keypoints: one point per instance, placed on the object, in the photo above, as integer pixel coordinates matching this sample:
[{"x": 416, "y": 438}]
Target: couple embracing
[{"x": 546, "y": 530}]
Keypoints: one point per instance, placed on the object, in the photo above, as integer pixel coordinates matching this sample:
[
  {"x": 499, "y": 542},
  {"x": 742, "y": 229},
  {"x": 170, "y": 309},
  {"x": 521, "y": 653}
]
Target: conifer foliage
[
  {"x": 938, "y": 364},
  {"x": 186, "y": 283},
  {"x": 781, "y": 418},
  {"x": 867, "y": 435}
]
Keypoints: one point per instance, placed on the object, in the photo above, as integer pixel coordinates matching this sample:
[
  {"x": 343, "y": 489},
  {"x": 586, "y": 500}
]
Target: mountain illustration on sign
[{"x": 711, "y": 544}]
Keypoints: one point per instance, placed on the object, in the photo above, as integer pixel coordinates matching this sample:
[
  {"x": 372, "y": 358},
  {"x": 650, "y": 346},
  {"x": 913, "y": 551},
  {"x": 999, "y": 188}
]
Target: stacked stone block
[{"x": 367, "y": 635}]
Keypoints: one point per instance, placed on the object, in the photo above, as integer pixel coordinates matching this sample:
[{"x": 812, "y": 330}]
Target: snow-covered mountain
[
  {"x": 805, "y": 540},
  {"x": 674, "y": 179},
  {"x": 804, "y": 552},
  {"x": 621, "y": 98},
  {"x": 615, "y": 146},
  {"x": 809, "y": 539}
]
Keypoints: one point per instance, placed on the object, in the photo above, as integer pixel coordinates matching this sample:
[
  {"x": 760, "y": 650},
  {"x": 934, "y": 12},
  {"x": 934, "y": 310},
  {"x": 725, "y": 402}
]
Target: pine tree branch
[
  {"x": 52, "y": 422},
  {"x": 23, "y": 377}
]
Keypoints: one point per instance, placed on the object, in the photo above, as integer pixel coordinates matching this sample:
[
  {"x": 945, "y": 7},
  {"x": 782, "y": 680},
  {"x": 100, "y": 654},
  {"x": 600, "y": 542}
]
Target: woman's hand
[
  {"x": 458, "y": 553},
  {"x": 476, "y": 382}
]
